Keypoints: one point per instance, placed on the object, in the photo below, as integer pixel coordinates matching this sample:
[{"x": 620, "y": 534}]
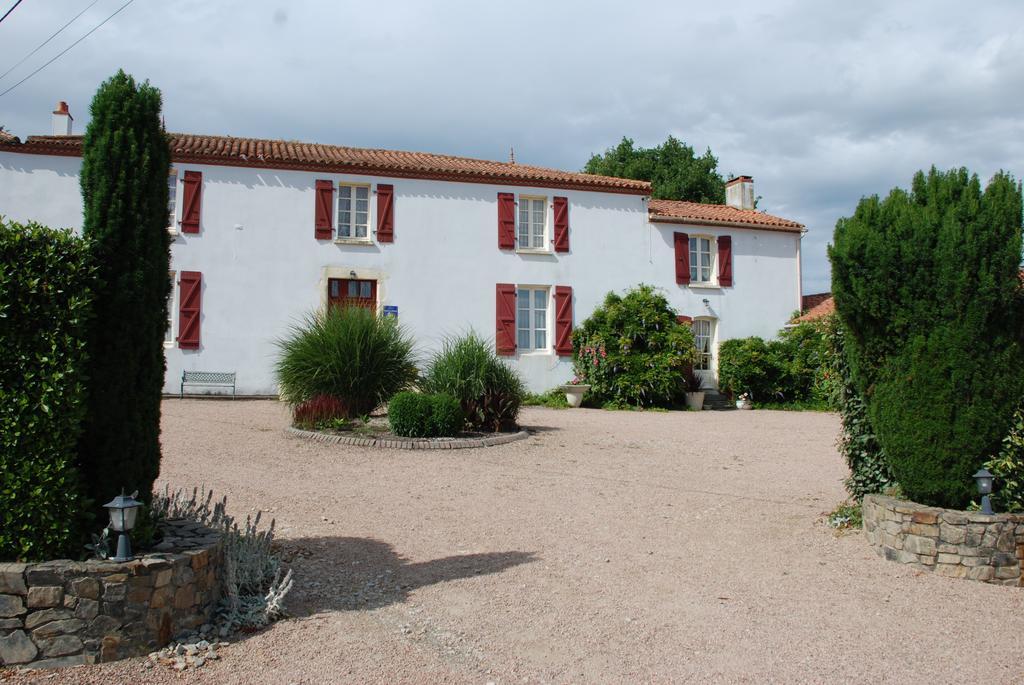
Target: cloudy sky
[{"x": 821, "y": 102}]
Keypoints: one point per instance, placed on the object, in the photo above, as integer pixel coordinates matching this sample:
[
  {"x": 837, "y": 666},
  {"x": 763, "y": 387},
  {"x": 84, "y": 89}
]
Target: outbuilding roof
[
  {"x": 677, "y": 211},
  {"x": 284, "y": 154}
]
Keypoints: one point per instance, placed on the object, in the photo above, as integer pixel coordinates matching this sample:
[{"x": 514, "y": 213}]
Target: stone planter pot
[
  {"x": 744, "y": 404},
  {"x": 574, "y": 394},
  {"x": 695, "y": 401}
]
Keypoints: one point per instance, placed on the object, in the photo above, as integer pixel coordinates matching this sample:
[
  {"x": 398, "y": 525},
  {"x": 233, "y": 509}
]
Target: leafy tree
[
  {"x": 927, "y": 288},
  {"x": 674, "y": 171},
  {"x": 125, "y": 163}
]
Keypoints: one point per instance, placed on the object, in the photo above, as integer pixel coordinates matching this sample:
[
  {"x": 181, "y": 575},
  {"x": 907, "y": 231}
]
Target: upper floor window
[
  {"x": 172, "y": 198},
  {"x": 354, "y": 211},
  {"x": 701, "y": 259},
  {"x": 532, "y": 318},
  {"x": 532, "y": 223}
]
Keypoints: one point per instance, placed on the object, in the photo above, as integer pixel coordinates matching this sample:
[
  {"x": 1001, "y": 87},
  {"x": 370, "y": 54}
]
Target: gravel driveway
[{"x": 608, "y": 547}]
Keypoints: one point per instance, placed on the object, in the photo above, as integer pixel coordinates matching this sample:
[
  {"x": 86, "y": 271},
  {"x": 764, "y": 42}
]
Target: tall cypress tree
[
  {"x": 125, "y": 163},
  {"x": 927, "y": 286}
]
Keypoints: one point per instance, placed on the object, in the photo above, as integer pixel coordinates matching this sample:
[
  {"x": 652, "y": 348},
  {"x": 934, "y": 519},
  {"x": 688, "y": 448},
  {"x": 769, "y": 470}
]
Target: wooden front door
[{"x": 346, "y": 292}]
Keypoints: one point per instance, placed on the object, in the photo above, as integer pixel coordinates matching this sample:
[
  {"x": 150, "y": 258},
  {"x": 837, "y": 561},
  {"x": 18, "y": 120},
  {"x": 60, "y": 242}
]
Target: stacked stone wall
[
  {"x": 65, "y": 613},
  {"x": 959, "y": 544}
]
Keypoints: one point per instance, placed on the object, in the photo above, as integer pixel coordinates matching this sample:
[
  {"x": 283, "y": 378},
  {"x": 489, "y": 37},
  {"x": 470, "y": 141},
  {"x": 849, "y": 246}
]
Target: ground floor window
[
  {"x": 532, "y": 318},
  {"x": 353, "y": 292},
  {"x": 702, "y": 334},
  {"x": 169, "y": 333}
]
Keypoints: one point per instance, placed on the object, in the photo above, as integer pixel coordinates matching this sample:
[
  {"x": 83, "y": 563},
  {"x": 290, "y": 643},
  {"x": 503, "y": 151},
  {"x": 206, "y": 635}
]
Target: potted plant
[
  {"x": 743, "y": 401},
  {"x": 694, "y": 394},
  {"x": 574, "y": 391}
]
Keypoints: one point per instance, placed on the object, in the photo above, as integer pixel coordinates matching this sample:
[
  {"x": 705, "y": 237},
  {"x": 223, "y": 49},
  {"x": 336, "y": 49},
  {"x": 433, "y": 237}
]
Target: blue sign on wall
[{"x": 391, "y": 310}]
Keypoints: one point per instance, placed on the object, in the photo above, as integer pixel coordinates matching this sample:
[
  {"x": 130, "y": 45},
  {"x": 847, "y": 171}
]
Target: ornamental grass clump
[
  {"x": 347, "y": 353},
  {"x": 489, "y": 391}
]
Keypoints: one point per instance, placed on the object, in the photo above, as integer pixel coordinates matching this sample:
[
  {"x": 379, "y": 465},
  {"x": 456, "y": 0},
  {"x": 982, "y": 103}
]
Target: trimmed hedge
[
  {"x": 417, "y": 415},
  {"x": 45, "y": 305}
]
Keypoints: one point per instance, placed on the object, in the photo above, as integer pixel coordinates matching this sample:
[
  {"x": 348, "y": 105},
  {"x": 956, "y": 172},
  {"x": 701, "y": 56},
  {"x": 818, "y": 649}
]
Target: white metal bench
[{"x": 221, "y": 379}]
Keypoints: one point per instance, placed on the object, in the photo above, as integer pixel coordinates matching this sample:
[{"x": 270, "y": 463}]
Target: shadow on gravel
[{"x": 350, "y": 574}]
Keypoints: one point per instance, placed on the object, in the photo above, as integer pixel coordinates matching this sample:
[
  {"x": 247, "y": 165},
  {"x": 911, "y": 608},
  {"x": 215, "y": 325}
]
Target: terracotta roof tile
[
  {"x": 8, "y": 137},
  {"x": 284, "y": 154},
  {"x": 677, "y": 211},
  {"x": 819, "y": 311}
]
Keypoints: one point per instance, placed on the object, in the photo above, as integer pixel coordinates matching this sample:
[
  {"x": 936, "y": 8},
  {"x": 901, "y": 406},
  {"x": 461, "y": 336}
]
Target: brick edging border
[{"x": 409, "y": 443}]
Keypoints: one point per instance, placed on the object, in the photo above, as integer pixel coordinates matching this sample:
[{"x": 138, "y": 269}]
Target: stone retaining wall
[
  {"x": 65, "y": 613},
  {"x": 959, "y": 544}
]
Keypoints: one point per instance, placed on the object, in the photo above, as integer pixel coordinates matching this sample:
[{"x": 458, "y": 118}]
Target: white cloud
[{"x": 822, "y": 103}]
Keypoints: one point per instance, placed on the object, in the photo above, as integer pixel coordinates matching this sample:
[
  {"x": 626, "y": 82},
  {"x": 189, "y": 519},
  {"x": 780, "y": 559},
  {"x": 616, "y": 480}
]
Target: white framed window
[
  {"x": 702, "y": 259},
  {"x": 353, "y": 211},
  {"x": 532, "y": 228},
  {"x": 172, "y": 200},
  {"x": 703, "y": 336},
  {"x": 532, "y": 318},
  {"x": 171, "y": 299}
]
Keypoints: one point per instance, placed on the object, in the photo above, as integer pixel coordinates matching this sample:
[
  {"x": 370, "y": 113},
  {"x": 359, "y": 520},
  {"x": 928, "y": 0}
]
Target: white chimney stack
[
  {"x": 62, "y": 120},
  {"x": 739, "y": 192}
]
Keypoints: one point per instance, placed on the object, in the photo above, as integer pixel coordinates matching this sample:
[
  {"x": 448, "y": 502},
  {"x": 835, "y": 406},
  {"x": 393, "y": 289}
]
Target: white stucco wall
[{"x": 262, "y": 268}]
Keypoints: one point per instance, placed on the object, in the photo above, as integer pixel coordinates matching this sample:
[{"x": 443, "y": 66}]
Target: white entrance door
[{"x": 704, "y": 366}]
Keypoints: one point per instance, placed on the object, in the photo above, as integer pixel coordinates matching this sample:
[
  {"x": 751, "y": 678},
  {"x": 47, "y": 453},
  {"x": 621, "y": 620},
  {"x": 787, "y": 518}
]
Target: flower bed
[
  {"x": 959, "y": 544},
  {"x": 65, "y": 613},
  {"x": 389, "y": 440}
]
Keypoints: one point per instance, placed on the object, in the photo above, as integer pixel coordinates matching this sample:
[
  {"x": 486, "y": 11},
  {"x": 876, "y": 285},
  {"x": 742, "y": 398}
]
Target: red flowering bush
[{"x": 633, "y": 351}]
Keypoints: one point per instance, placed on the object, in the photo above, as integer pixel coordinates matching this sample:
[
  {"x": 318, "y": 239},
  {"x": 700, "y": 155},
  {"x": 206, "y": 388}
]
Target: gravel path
[{"x": 608, "y": 547}]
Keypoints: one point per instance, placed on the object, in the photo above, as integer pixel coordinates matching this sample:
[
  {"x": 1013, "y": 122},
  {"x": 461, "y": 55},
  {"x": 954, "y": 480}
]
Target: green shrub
[
  {"x": 632, "y": 350},
  {"x": 793, "y": 370},
  {"x": 553, "y": 399},
  {"x": 1008, "y": 468},
  {"x": 46, "y": 278},
  {"x": 869, "y": 469},
  {"x": 753, "y": 366},
  {"x": 489, "y": 391},
  {"x": 125, "y": 163},
  {"x": 419, "y": 415},
  {"x": 348, "y": 353},
  {"x": 927, "y": 284}
]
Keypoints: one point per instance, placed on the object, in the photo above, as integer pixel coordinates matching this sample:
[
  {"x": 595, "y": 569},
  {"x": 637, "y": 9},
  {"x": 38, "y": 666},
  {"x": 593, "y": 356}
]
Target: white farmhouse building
[{"x": 267, "y": 230}]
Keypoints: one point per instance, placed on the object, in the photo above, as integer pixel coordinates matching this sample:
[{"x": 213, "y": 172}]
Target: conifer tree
[
  {"x": 125, "y": 163},
  {"x": 928, "y": 290}
]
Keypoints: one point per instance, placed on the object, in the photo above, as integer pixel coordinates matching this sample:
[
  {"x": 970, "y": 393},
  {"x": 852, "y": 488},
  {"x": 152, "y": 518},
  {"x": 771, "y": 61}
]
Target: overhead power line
[
  {"x": 63, "y": 52},
  {"x": 52, "y": 36},
  {"x": 10, "y": 10}
]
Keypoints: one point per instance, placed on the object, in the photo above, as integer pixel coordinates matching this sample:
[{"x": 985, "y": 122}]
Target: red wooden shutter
[
  {"x": 506, "y": 221},
  {"x": 725, "y": 261},
  {"x": 682, "y": 244},
  {"x": 323, "y": 227},
  {"x": 684, "y": 319},
  {"x": 190, "y": 299},
  {"x": 192, "y": 201},
  {"x": 561, "y": 224},
  {"x": 505, "y": 319},
  {"x": 563, "y": 320},
  {"x": 385, "y": 213}
]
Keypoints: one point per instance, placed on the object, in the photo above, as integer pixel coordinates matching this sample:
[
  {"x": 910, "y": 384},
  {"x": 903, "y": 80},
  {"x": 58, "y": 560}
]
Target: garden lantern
[
  {"x": 123, "y": 510},
  {"x": 984, "y": 479}
]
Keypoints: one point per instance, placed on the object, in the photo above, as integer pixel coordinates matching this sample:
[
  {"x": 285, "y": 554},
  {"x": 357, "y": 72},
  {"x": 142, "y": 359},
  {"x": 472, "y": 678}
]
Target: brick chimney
[
  {"x": 739, "y": 192},
  {"x": 62, "y": 120}
]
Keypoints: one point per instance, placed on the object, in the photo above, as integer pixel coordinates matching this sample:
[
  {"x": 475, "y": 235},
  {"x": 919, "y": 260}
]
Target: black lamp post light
[
  {"x": 984, "y": 480},
  {"x": 123, "y": 510}
]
